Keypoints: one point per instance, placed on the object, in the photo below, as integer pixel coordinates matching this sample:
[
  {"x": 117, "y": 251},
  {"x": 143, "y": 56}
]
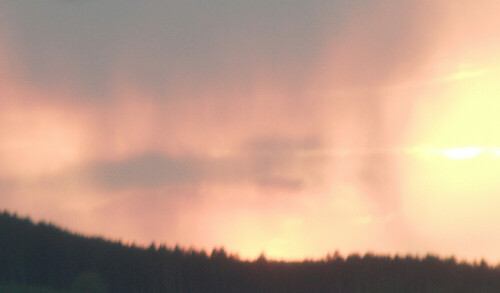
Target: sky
[{"x": 292, "y": 128}]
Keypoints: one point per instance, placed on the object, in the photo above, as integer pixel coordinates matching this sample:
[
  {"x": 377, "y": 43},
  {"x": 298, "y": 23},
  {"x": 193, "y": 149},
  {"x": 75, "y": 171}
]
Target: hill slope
[{"x": 42, "y": 255}]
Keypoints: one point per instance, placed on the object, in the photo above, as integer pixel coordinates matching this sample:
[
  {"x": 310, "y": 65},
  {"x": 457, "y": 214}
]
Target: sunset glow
[{"x": 295, "y": 131}]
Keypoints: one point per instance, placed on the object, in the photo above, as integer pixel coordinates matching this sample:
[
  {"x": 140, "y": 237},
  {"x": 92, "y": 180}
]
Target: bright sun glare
[{"x": 462, "y": 153}]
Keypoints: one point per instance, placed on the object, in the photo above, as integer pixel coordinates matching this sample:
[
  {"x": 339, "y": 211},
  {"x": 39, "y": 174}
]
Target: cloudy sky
[{"x": 294, "y": 128}]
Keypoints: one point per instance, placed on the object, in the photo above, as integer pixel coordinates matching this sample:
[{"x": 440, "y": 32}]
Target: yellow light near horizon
[{"x": 451, "y": 186}]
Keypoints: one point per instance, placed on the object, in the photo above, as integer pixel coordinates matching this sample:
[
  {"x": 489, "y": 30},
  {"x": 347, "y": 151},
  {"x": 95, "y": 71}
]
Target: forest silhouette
[{"x": 45, "y": 258}]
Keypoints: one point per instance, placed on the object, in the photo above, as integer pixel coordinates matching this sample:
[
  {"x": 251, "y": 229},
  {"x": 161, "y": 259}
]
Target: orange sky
[{"x": 294, "y": 129}]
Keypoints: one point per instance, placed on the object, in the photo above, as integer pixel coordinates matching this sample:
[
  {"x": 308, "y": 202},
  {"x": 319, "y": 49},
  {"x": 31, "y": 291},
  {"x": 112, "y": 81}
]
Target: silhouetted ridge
[{"x": 45, "y": 256}]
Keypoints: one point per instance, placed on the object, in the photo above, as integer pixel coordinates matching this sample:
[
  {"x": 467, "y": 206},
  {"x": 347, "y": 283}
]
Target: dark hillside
[{"x": 44, "y": 256}]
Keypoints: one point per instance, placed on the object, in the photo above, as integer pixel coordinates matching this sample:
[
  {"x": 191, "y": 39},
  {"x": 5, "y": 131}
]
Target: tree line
[{"x": 44, "y": 258}]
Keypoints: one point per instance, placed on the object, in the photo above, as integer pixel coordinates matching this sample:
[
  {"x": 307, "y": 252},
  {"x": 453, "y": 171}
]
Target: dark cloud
[
  {"x": 385, "y": 41},
  {"x": 280, "y": 145},
  {"x": 150, "y": 171},
  {"x": 264, "y": 162},
  {"x": 274, "y": 157},
  {"x": 147, "y": 171},
  {"x": 162, "y": 45}
]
